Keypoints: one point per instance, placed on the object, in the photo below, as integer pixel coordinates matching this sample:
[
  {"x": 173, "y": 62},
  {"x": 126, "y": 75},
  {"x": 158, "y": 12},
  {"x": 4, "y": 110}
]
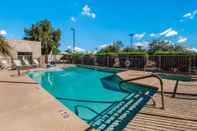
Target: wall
[{"x": 23, "y": 46}]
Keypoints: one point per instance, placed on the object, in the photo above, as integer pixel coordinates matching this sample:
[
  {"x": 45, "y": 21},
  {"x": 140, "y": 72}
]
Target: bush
[{"x": 174, "y": 53}]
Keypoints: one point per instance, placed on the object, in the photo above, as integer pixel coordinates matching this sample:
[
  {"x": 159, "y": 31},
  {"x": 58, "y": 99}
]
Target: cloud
[
  {"x": 103, "y": 46},
  {"x": 139, "y": 36},
  {"x": 93, "y": 15},
  {"x": 142, "y": 44},
  {"x": 77, "y": 49},
  {"x": 166, "y": 31},
  {"x": 3, "y": 32},
  {"x": 182, "y": 39},
  {"x": 153, "y": 35},
  {"x": 189, "y": 15},
  {"x": 169, "y": 32},
  {"x": 192, "y": 49},
  {"x": 73, "y": 19},
  {"x": 87, "y": 11}
]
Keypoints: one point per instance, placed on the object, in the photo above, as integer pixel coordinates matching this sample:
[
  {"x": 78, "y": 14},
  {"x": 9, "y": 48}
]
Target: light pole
[
  {"x": 73, "y": 30},
  {"x": 131, "y": 39}
]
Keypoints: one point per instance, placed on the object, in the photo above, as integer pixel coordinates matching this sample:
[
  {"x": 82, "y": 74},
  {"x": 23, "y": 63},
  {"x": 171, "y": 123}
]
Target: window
[{"x": 25, "y": 55}]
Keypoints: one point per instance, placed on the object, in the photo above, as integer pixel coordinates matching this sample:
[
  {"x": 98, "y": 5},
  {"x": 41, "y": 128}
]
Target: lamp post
[
  {"x": 73, "y": 30},
  {"x": 131, "y": 39}
]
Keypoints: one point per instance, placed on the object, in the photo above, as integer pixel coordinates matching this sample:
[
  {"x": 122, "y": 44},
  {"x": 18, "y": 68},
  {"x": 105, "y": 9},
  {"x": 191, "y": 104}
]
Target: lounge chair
[
  {"x": 4, "y": 64},
  {"x": 152, "y": 67},
  {"x": 17, "y": 63},
  {"x": 127, "y": 63},
  {"x": 36, "y": 63},
  {"x": 116, "y": 62},
  {"x": 26, "y": 62}
]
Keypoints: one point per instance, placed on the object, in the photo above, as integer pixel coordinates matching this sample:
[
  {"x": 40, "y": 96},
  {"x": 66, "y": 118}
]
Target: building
[{"x": 23, "y": 49}]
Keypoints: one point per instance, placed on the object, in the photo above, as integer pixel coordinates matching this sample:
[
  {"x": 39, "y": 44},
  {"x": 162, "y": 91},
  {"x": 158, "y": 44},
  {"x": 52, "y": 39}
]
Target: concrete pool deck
[
  {"x": 180, "y": 113},
  {"x": 25, "y": 106}
]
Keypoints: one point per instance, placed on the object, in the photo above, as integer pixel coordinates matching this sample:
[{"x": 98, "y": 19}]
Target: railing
[
  {"x": 182, "y": 63},
  {"x": 144, "y": 77}
]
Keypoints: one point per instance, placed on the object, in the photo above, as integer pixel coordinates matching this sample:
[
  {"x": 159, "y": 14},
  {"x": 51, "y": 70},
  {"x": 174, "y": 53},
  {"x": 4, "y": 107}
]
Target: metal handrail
[{"x": 144, "y": 77}]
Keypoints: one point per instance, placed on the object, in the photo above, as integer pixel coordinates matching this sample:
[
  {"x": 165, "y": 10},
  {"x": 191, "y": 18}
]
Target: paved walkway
[{"x": 25, "y": 106}]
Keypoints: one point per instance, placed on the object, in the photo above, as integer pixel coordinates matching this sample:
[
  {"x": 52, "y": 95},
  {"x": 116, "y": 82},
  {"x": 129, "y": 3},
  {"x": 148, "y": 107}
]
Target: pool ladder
[{"x": 144, "y": 77}]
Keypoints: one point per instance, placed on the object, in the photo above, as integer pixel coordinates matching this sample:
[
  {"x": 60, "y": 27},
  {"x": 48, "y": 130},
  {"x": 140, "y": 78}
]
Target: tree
[
  {"x": 4, "y": 47},
  {"x": 164, "y": 46},
  {"x": 68, "y": 51},
  {"x": 132, "y": 49},
  {"x": 115, "y": 47},
  {"x": 44, "y": 32}
]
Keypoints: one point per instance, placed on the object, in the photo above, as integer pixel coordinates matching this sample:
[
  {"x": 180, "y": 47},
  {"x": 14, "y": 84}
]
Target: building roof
[{"x": 24, "y": 45}]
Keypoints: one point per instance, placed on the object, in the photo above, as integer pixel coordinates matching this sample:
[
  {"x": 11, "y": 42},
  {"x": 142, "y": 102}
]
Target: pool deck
[
  {"x": 25, "y": 106},
  {"x": 180, "y": 112}
]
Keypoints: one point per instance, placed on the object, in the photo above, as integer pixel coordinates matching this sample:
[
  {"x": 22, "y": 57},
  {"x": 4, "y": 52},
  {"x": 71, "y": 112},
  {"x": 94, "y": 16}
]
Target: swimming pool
[{"x": 93, "y": 95}]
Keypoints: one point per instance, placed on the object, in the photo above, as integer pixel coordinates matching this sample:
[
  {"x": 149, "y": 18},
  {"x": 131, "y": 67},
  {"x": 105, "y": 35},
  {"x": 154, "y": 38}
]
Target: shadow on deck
[{"x": 180, "y": 112}]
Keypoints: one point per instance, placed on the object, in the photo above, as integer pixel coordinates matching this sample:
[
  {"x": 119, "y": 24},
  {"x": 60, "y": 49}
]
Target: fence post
[
  {"x": 95, "y": 60},
  {"x": 82, "y": 62},
  {"x": 107, "y": 61},
  {"x": 190, "y": 64},
  {"x": 146, "y": 59},
  {"x": 159, "y": 62}
]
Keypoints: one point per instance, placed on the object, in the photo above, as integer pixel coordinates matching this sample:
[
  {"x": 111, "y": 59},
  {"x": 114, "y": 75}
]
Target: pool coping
[
  {"x": 101, "y": 68},
  {"x": 121, "y": 70}
]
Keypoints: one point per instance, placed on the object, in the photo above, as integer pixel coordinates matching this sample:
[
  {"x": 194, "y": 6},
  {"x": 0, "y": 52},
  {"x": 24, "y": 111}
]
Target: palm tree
[
  {"x": 4, "y": 47},
  {"x": 44, "y": 32}
]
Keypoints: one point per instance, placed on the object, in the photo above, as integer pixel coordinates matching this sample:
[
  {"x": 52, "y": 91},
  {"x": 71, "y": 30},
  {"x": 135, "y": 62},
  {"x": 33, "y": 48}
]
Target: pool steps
[
  {"x": 118, "y": 115},
  {"x": 112, "y": 120}
]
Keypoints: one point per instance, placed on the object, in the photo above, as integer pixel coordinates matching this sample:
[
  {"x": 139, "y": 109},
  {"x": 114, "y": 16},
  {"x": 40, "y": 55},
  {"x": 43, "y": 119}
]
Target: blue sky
[{"x": 100, "y": 22}]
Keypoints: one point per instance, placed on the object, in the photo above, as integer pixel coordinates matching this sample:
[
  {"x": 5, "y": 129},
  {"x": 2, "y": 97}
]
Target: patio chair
[
  {"x": 36, "y": 63},
  {"x": 116, "y": 62},
  {"x": 17, "y": 63},
  {"x": 26, "y": 62},
  {"x": 5, "y": 65},
  {"x": 151, "y": 66}
]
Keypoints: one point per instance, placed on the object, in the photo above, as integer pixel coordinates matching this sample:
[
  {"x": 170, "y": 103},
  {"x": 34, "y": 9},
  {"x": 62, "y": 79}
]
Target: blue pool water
[{"x": 84, "y": 91}]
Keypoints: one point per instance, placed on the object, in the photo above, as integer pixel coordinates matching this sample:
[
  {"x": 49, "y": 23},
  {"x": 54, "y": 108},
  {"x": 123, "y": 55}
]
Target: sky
[{"x": 100, "y": 22}]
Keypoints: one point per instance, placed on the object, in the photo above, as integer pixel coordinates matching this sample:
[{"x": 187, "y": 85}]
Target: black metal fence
[{"x": 184, "y": 63}]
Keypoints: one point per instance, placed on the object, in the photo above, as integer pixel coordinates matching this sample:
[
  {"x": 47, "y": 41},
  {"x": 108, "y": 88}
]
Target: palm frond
[{"x": 4, "y": 47}]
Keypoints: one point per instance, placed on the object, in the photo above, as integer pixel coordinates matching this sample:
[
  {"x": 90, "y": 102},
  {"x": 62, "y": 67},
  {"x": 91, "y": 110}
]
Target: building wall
[{"x": 23, "y": 46}]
